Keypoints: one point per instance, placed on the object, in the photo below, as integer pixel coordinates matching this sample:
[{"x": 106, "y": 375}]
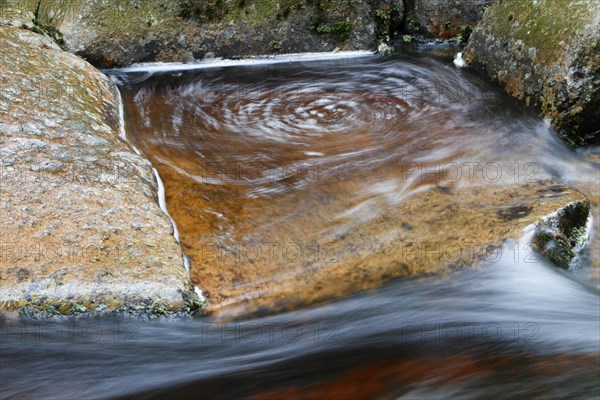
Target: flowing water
[{"x": 306, "y": 153}]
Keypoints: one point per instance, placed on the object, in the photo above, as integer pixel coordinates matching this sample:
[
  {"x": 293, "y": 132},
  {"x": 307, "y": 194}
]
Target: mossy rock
[
  {"x": 547, "y": 51},
  {"x": 560, "y": 236},
  {"x": 116, "y": 33}
]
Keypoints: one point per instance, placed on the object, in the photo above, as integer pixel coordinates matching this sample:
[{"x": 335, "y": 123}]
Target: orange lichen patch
[
  {"x": 514, "y": 84},
  {"x": 107, "y": 61},
  {"x": 445, "y": 29}
]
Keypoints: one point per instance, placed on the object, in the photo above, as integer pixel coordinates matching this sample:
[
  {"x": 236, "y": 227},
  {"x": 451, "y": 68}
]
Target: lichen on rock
[
  {"x": 560, "y": 236},
  {"x": 81, "y": 230},
  {"x": 546, "y": 52},
  {"x": 444, "y": 18},
  {"x": 113, "y": 33}
]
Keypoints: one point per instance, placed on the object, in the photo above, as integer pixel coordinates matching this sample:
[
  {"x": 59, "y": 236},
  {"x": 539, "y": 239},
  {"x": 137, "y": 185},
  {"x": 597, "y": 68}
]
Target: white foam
[
  {"x": 198, "y": 292},
  {"x": 122, "y": 132},
  {"x": 162, "y": 202},
  {"x": 259, "y": 60},
  {"x": 458, "y": 60}
]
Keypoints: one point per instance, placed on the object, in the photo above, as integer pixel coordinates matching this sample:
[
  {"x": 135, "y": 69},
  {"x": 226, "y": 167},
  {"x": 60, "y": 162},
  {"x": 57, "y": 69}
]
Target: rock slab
[
  {"x": 81, "y": 228},
  {"x": 444, "y": 18}
]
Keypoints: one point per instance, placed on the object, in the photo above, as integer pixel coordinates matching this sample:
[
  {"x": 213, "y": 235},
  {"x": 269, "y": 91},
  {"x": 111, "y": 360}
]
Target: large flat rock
[
  {"x": 267, "y": 262},
  {"x": 277, "y": 210},
  {"x": 81, "y": 227}
]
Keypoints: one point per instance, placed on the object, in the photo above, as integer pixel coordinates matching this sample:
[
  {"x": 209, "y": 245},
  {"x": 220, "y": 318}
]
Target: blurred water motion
[
  {"x": 317, "y": 149},
  {"x": 288, "y": 181}
]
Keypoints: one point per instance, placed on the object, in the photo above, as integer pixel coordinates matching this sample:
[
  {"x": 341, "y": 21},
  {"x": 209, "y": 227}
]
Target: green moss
[
  {"x": 387, "y": 22},
  {"x": 257, "y": 12},
  {"x": 204, "y": 11},
  {"x": 384, "y": 49},
  {"x": 191, "y": 303},
  {"x": 560, "y": 237},
  {"x": 41, "y": 307},
  {"x": 275, "y": 45},
  {"x": 47, "y": 30},
  {"x": 28, "y": 311},
  {"x": 77, "y": 309},
  {"x": 44, "y": 311},
  {"x": 555, "y": 247},
  {"x": 466, "y": 31},
  {"x": 340, "y": 30},
  {"x": 159, "y": 310},
  {"x": 411, "y": 24},
  {"x": 64, "y": 309},
  {"x": 542, "y": 24}
]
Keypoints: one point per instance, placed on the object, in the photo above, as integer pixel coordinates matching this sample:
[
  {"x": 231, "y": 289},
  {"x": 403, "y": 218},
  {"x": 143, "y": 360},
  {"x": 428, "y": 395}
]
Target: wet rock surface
[
  {"x": 444, "y": 18},
  {"x": 559, "y": 236},
  {"x": 83, "y": 231},
  {"x": 81, "y": 228},
  {"x": 286, "y": 196},
  {"x": 117, "y": 33},
  {"x": 546, "y": 53},
  {"x": 431, "y": 233}
]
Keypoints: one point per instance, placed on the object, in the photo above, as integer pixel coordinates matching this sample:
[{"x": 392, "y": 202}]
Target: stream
[{"x": 301, "y": 153}]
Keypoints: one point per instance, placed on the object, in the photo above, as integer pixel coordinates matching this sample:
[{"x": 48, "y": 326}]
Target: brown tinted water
[
  {"x": 516, "y": 328},
  {"x": 297, "y": 182}
]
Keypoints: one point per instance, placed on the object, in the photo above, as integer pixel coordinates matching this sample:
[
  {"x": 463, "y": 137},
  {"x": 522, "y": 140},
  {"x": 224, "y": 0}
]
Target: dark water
[{"x": 510, "y": 330}]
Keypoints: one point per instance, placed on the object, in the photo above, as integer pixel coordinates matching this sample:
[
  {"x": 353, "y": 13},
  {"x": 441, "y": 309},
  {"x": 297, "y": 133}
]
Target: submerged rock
[
  {"x": 546, "y": 52},
  {"x": 274, "y": 268},
  {"x": 81, "y": 228}
]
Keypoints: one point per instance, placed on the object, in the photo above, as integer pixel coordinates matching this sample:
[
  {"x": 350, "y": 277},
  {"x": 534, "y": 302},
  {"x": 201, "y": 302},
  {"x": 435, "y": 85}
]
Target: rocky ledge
[
  {"x": 546, "y": 52},
  {"x": 113, "y": 33},
  {"x": 81, "y": 227}
]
